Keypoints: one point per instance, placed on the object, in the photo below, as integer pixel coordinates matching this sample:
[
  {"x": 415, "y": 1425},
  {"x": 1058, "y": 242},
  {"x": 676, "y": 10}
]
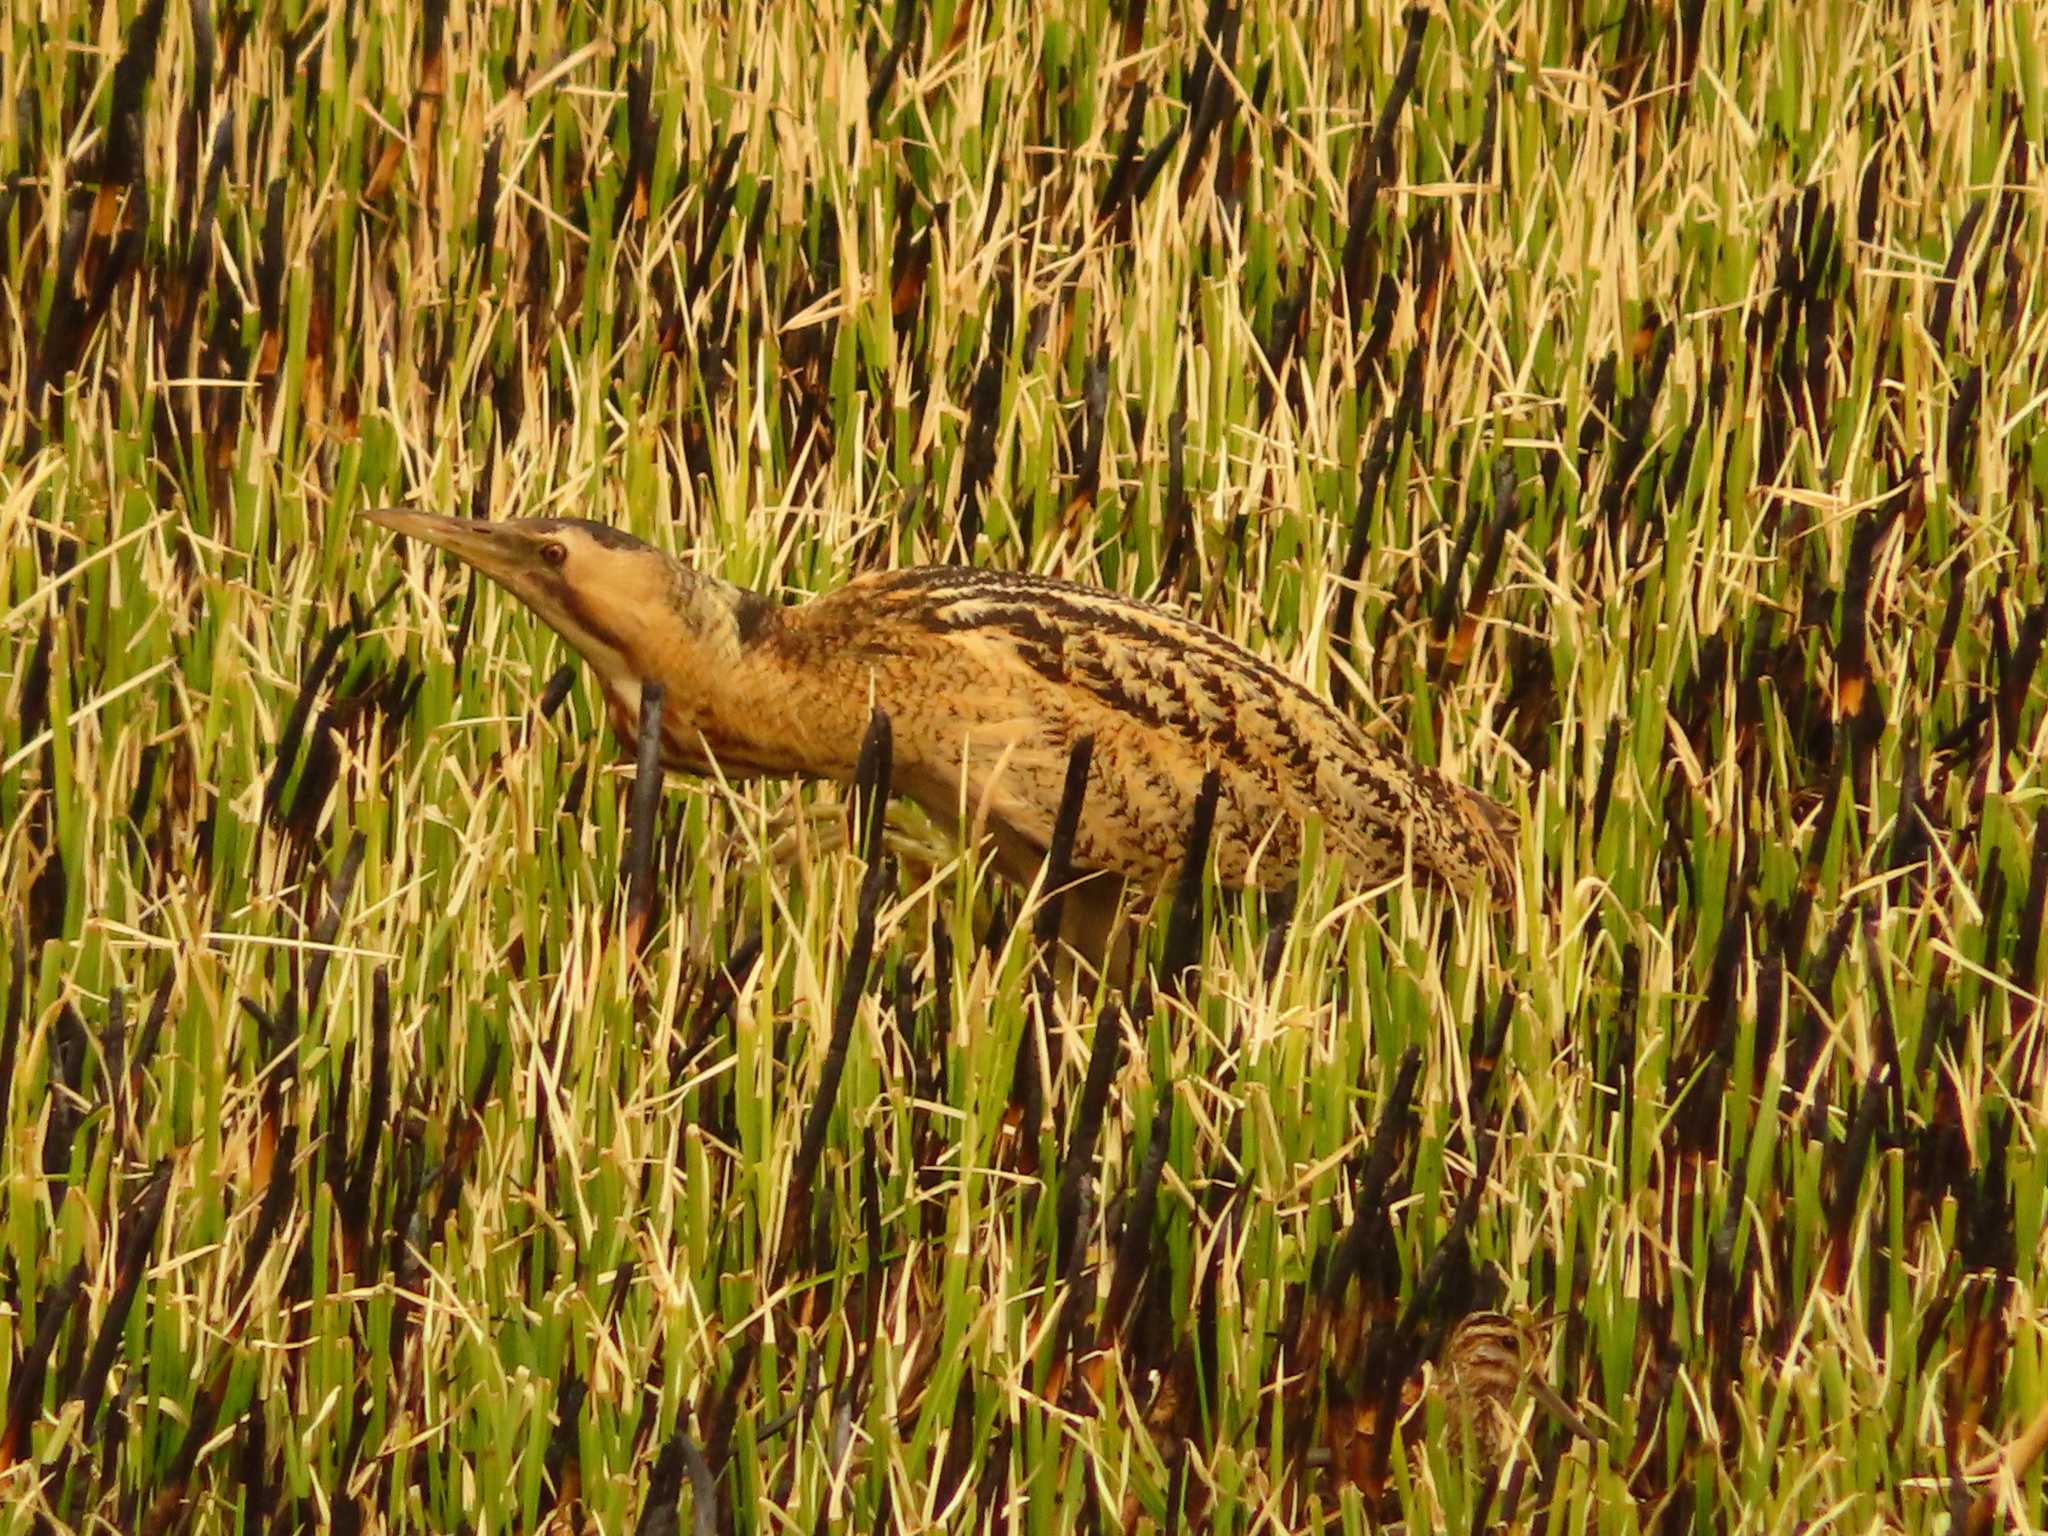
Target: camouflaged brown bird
[
  {"x": 988, "y": 679},
  {"x": 1488, "y": 1360}
]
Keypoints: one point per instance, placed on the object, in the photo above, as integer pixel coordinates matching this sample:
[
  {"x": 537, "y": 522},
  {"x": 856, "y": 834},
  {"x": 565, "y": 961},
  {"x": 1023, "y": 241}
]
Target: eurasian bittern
[{"x": 989, "y": 678}]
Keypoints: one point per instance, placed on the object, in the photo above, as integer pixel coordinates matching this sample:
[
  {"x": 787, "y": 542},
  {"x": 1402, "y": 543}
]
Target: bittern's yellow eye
[{"x": 555, "y": 554}]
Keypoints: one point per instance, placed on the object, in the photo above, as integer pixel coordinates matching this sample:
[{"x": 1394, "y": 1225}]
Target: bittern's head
[{"x": 630, "y": 610}]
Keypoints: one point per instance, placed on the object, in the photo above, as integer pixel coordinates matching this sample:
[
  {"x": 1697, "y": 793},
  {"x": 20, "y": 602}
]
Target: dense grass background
[{"x": 1637, "y": 410}]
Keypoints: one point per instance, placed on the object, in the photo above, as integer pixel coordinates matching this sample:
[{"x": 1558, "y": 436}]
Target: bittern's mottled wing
[{"x": 1014, "y": 668}]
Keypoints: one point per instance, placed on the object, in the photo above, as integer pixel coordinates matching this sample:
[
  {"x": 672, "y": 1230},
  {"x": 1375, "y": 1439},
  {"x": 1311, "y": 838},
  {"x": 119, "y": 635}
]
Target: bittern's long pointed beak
[{"x": 492, "y": 548}]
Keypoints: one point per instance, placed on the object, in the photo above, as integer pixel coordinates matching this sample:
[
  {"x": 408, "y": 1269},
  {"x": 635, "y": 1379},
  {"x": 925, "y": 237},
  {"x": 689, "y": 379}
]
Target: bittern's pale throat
[{"x": 989, "y": 678}]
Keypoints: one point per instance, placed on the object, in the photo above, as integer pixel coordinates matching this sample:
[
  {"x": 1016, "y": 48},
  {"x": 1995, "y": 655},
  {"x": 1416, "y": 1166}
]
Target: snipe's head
[{"x": 630, "y": 610}]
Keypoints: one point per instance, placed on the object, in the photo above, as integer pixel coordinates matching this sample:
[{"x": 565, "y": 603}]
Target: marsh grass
[{"x": 1635, "y": 410}]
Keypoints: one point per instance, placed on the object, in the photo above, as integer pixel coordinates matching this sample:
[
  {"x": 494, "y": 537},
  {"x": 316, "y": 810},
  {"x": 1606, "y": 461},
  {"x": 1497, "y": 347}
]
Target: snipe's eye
[{"x": 553, "y": 553}]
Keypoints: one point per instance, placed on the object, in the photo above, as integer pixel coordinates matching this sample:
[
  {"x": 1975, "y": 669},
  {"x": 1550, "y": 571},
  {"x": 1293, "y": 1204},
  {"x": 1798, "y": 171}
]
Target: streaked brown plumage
[
  {"x": 1486, "y": 1362},
  {"x": 989, "y": 678}
]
